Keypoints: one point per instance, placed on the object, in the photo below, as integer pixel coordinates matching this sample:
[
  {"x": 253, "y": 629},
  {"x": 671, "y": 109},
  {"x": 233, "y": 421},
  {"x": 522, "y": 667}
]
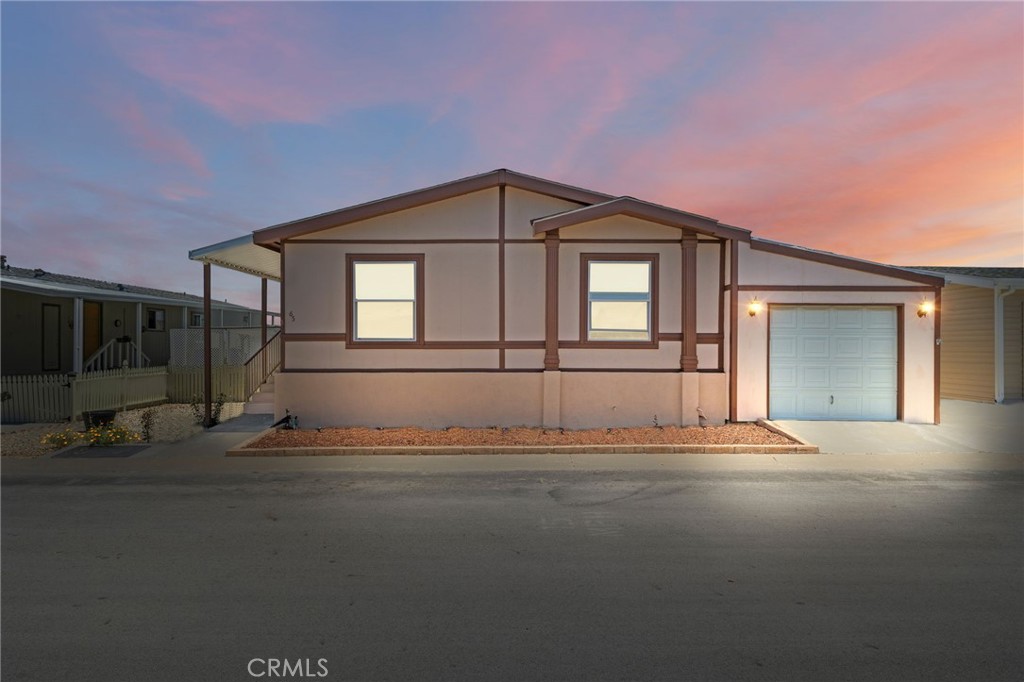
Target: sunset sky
[{"x": 133, "y": 132}]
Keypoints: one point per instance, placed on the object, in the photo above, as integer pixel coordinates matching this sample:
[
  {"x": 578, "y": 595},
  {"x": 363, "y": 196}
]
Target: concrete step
[
  {"x": 258, "y": 408},
  {"x": 262, "y": 397}
]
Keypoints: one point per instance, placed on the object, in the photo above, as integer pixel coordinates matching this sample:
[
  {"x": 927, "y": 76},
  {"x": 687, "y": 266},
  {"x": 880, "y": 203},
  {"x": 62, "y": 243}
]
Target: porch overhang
[{"x": 243, "y": 255}]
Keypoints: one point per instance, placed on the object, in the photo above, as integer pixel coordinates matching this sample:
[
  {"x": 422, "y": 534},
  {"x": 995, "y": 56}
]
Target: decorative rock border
[{"x": 242, "y": 449}]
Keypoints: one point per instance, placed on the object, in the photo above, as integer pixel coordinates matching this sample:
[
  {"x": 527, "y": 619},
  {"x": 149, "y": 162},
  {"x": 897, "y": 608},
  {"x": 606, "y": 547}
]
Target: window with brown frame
[
  {"x": 619, "y": 299},
  {"x": 385, "y": 299}
]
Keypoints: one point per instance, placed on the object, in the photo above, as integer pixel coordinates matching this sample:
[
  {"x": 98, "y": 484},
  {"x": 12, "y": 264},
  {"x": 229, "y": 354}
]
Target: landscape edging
[{"x": 242, "y": 451}]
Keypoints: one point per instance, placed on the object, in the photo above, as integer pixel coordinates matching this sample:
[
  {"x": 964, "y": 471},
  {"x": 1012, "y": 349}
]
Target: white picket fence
[{"x": 60, "y": 397}]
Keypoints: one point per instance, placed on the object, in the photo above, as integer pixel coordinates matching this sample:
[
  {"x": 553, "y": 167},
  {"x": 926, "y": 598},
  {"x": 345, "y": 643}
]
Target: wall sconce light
[
  {"x": 924, "y": 308},
  {"x": 754, "y": 307}
]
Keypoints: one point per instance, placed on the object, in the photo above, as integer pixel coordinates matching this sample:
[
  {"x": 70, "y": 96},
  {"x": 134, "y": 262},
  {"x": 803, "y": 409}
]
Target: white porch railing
[{"x": 113, "y": 354}]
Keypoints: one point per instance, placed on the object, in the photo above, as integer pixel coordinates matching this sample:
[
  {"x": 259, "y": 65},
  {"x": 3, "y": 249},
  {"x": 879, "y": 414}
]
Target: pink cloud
[{"x": 150, "y": 132}]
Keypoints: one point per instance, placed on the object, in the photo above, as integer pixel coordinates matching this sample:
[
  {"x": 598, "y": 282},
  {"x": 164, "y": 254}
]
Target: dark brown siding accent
[
  {"x": 734, "y": 306},
  {"x": 395, "y": 241},
  {"x": 207, "y": 348},
  {"x": 855, "y": 288},
  {"x": 421, "y": 197},
  {"x": 938, "y": 351},
  {"x": 284, "y": 312},
  {"x": 721, "y": 305},
  {"x": 551, "y": 301},
  {"x": 292, "y": 338},
  {"x": 585, "y": 259},
  {"x": 350, "y": 259},
  {"x": 688, "y": 354},
  {"x": 620, "y": 241},
  {"x": 411, "y": 370},
  {"x": 842, "y": 262},
  {"x": 643, "y": 210},
  {"x": 501, "y": 272},
  {"x": 445, "y": 345},
  {"x": 900, "y": 359},
  {"x": 702, "y": 339}
]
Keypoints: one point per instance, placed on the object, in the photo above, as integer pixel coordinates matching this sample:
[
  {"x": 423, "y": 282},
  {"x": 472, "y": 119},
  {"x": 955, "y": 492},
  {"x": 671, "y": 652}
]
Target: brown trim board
[
  {"x": 815, "y": 288},
  {"x": 501, "y": 271},
  {"x": 688, "y": 314},
  {"x": 551, "y": 301},
  {"x": 734, "y": 306},
  {"x": 721, "y": 305},
  {"x": 938, "y": 354}
]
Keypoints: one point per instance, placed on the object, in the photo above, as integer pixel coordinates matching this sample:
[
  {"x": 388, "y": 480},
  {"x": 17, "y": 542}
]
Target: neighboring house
[
  {"x": 55, "y": 323},
  {"x": 505, "y": 299},
  {"x": 982, "y": 333}
]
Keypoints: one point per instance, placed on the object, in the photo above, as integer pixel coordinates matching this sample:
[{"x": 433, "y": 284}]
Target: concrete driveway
[{"x": 966, "y": 428}]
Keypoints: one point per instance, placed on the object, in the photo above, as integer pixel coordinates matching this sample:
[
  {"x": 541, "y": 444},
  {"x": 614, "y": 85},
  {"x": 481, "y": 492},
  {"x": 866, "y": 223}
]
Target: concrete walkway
[{"x": 966, "y": 428}]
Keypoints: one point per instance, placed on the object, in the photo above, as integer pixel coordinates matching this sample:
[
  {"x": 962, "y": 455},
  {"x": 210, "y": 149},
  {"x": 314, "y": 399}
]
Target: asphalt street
[{"x": 444, "y": 574}]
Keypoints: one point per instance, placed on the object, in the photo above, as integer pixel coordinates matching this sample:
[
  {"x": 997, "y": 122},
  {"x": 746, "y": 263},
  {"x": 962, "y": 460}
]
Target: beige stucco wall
[
  {"x": 521, "y": 207},
  {"x": 621, "y": 227},
  {"x": 761, "y": 267},
  {"x": 432, "y": 400},
  {"x": 461, "y": 288},
  {"x": 438, "y": 399},
  {"x": 524, "y": 292},
  {"x": 334, "y": 355},
  {"x": 918, "y": 333}
]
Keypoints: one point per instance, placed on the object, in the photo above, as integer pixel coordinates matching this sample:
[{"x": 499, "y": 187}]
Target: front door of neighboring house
[{"x": 92, "y": 328}]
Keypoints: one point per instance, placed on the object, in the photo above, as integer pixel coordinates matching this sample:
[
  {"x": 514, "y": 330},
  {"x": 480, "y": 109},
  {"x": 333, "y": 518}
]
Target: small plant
[
  {"x": 148, "y": 419},
  {"x": 111, "y": 435},
  {"x": 62, "y": 439},
  {"x": 656, "y": 424},
  {"x": 198, "y": 408}
]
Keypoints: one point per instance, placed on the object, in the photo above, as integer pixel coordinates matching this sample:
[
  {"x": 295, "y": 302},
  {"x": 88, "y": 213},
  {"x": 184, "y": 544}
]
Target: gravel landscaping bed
[
  {"x": 730, "y": 434},
  {"x": 171, "y": 423}
]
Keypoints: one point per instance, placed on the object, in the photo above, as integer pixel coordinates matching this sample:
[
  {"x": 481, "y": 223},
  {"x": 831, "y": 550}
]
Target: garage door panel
[
  {"x": 847, "y": 318},
  {"x": 814, "y": 318},
  {"x": 880, "y": 377},
  {"x": 814, "y": 404},
  {"x": 833, "y": 362},
  {"x": 784, "y": 347},
  {"x": 812, "y": 347},
  {"x": 784, "y": 377},
  {"x": 846, "y": 377},
  {"x": 880, "y": 348},
  {"x": 847, "y": 347},
  {"x": 880, "y": 319},
  {"x": 813, "y": 376},
  {"x": 784, "y": 319}
]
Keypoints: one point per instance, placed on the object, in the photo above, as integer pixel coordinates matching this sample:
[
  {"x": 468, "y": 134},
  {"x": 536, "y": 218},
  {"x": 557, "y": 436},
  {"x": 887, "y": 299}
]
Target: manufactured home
[{"x": 507, "y": 299}]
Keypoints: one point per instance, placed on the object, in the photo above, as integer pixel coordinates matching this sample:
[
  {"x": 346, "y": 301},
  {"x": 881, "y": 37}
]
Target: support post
[
  {"x": 207, "y": 350},
  {"x": 77, "y": 361},
  {"x": 688, "y": 354},
  {"x": 138, "y": 335},
  {"x": 263, "y": 322},
  {"x": 734, "y": 323},
  {"x": 551, "y": 242}
]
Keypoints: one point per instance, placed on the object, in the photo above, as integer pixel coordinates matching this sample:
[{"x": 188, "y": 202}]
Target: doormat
[{"x": 92, "y": 451}]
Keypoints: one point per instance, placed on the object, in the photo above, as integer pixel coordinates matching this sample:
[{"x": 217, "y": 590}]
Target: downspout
[{"x": 1000, "y": 332}]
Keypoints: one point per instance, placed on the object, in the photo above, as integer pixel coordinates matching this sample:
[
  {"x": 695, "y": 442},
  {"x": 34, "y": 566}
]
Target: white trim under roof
[{"x": 243, "y": 255}]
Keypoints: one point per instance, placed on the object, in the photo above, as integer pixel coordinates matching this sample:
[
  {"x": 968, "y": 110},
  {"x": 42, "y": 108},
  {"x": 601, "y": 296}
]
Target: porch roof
[{"x": 241, "y": 254}]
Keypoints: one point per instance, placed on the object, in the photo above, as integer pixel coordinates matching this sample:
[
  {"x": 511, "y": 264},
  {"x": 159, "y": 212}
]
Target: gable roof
[
  {"x": 38, "y": 281},
  {"x": 643, "y": 210},
  {"x": 420, "y": 197}
]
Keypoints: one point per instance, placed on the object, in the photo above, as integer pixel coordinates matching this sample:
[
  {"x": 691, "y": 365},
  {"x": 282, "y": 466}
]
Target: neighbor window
[
  {"x": 386, "y": 298},
  {"x": 620, "y": 297},
  {"x": 155, "y": 319},
  {"x": 196, "y": 320}
]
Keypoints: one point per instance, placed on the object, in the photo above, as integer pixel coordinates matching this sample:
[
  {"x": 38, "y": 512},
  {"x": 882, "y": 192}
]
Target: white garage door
[{"x": 832, "y": 363}]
